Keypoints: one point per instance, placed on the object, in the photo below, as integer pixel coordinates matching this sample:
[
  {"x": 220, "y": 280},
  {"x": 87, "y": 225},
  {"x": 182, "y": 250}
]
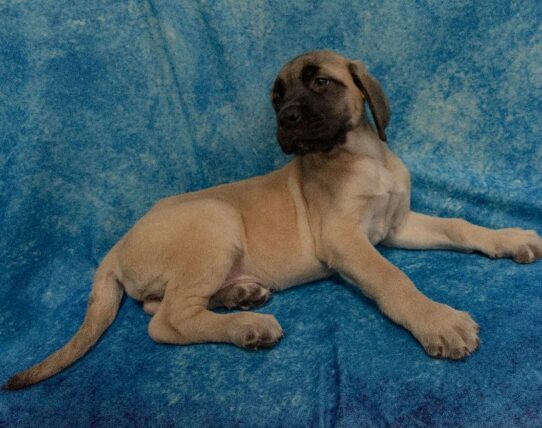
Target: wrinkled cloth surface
[{"x": 108, "y": 106}]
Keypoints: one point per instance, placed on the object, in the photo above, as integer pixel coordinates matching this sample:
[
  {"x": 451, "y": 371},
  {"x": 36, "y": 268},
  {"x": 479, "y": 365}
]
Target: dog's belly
[{"x": 275, "y": 277}]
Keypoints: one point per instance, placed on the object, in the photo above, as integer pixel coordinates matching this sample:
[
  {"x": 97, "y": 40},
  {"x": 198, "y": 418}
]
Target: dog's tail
[{"x": 102, "y": 309}]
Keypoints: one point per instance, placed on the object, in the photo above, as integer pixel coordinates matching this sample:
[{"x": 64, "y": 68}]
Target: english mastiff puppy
[{"x": 324, "y": 212}]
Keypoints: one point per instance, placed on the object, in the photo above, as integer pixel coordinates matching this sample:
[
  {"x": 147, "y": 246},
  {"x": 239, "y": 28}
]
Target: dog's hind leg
[{"x": 183, "y": 316}]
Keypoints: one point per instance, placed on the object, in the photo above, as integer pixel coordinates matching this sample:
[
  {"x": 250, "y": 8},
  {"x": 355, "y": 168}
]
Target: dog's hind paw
[{"x": 240, "y": 295}]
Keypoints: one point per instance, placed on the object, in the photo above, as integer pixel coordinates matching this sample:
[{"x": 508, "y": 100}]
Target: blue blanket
[{"x": 107, "y": 106}]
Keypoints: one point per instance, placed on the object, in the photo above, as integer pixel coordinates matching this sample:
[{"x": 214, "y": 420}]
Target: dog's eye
[{"x": 321, "y": 82}]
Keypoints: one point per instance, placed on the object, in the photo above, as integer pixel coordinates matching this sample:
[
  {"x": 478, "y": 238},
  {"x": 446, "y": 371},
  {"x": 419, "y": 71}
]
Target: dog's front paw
[
  {"x": 523, "y": 246},
  {"x": 447, "y": 333},
  {"x": 258, "y": 331}
]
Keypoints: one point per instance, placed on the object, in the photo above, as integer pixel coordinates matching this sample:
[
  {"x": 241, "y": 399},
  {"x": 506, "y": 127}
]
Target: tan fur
[{"x": 319, "y": 214}]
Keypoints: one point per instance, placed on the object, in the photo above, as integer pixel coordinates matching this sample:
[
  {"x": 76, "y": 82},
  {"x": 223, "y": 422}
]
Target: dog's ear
[{"x": 373, "y": 94}]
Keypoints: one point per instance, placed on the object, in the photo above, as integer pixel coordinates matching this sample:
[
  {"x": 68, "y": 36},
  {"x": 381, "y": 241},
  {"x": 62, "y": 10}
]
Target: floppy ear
[{"x": 374, "y": 95}]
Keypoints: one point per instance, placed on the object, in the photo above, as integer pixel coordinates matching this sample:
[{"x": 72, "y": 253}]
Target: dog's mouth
[{"x": 318, "y": 139}]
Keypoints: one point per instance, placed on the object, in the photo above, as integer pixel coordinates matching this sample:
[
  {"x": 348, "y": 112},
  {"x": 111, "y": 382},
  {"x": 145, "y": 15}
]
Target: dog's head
[{"x": 319, "y": 97}]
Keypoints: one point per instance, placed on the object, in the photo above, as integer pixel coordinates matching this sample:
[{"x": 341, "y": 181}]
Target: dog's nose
[{"x": 290, "y": 116}]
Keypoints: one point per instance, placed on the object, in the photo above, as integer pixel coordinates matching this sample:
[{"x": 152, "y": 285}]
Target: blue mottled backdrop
[{"x": 107, "y": 106}]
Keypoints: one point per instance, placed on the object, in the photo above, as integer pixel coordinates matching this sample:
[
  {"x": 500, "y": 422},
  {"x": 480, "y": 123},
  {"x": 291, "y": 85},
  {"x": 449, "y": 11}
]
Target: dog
[{"x": 324, "y": 212}]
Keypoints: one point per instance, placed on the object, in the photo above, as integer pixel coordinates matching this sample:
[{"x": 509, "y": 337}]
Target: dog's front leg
[
  {"x": 442, "y": 330},
  {"x": 420, "y": 231}
]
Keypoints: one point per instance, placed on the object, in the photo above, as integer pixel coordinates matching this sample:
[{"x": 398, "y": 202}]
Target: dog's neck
[{"x": 361, "y": 142}]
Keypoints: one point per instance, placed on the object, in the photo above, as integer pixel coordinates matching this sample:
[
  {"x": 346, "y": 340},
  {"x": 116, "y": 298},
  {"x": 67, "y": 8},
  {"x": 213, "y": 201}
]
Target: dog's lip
[
  {"x": 301, "y": 136},
  {"x": 317, "y": 134}
]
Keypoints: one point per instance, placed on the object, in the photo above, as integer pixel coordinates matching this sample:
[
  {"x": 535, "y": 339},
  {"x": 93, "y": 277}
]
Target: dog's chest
[{"x": 384, "y": 197}]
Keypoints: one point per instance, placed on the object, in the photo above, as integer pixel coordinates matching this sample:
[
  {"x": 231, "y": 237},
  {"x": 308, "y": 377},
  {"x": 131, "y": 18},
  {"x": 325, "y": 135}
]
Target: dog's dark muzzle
[
  {"x": 309, "y": 126},
  {"x": 290, "y": 117},
  {"x": 303, "y": 135},
  {"x": 300, "y": 143}
]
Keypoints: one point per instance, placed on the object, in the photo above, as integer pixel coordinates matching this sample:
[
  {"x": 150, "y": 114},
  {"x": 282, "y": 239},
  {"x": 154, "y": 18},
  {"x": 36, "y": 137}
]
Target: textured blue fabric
[{"x": 107, "y": 106}]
